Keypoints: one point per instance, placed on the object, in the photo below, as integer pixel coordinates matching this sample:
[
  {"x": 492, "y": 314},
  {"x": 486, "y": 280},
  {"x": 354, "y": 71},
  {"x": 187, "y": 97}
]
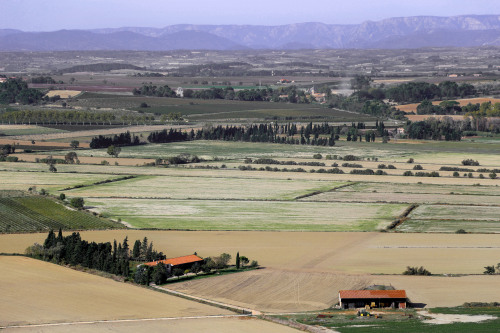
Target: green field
[
  {"x": 247, "y": 215},
  {"x": 397, "y": 321},
  {"x": 206, "y": 188},
  {"x": 28, "y": 130},
  {"x": 199, "y": 109},
  {"x": 36, "y": 213}
]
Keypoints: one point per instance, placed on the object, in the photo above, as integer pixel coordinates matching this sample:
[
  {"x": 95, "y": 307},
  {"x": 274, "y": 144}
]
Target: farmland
[
  {"x": 36, "y": 292},
  {"x": 35, "y": 213}
]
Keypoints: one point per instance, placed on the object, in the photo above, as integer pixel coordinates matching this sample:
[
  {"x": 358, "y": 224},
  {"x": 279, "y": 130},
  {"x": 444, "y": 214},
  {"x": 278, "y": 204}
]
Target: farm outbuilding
[
  {"x": 184, "y": 262},
  {"x": 351, "y": 299}
]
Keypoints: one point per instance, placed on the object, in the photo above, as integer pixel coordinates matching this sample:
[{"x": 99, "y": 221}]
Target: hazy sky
[{"x": 48, "y": 15}]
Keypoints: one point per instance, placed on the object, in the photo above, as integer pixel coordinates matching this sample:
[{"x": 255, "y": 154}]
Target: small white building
[{"x": 180, "y": 92}]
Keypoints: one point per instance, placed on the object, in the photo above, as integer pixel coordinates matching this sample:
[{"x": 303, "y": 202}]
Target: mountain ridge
[{"x": 398, "y": 32}]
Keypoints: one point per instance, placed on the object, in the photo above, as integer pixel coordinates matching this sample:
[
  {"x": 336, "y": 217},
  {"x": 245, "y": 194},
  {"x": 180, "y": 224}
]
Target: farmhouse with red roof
[
  {"x": 185, "y": 262},
  {"x": 350, "y": 299}
]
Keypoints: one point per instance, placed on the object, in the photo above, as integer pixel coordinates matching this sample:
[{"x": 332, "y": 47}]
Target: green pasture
[
  {"x": 247, "y": 215},
  {"x": 397, "y": 321},
  {"x": 206, "y": 188},
  {"x": 31, "y": 130}
]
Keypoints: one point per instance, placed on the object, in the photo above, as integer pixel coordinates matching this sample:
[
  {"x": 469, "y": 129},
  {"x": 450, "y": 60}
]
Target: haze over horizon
[{"x": 50, "y": 15}]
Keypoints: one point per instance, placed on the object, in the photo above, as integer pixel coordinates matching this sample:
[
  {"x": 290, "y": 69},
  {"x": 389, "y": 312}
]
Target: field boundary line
[
  {"x": 122, "y": 321},
  {"x": 238, "y": 309},
  {"x": 319, "y": 192},
  {"x": 402, "y": 217}
]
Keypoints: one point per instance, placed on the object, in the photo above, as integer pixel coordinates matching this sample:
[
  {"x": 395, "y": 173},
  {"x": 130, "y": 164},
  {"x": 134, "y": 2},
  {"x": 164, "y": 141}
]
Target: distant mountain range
[{"x": 393, "y": 33}]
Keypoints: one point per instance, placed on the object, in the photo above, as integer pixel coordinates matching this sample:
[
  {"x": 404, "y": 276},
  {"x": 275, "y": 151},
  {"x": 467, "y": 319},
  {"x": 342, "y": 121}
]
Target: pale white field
[
  {"x": 36, "y": 292},
  {"x": 89, "y": 160},
  {"x": 422, "y": 198},
  {"x": 248, "y": 215},
  {"x": 206, "y": 188},
  {"x": 169, "y": 325},
  {"x": 47, "y": 180},
  {"x": 234, "y": 173}
]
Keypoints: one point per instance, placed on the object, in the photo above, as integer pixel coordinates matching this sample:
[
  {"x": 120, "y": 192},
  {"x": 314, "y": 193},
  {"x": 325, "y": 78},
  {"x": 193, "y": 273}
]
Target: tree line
[
  {"x": 73, "y": 250},
  {"x": 122, "y": 139}
]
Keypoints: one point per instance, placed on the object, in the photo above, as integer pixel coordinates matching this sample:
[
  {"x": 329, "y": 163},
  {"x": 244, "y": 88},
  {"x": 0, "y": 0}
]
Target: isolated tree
[
  {"x": 71, "y": 157},
  {"x": 77, "y": 202},
  {"x": 114, "y": 151},
  {"x": 62, "y": 196},
  {"x": 52, "y": 168},
  {"x": 237, "y": 260},
  {"x": 74, "y": 144},
  {"x": 489, "y": 270}
]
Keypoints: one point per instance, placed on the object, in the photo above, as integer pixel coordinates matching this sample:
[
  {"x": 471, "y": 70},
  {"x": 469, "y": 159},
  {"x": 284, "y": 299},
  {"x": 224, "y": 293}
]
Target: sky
[{"x": 50, "y": 15}]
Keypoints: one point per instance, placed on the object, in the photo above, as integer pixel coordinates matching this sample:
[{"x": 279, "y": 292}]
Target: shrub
[
  {"x": 351, "y": 165},
  {"x": 318, "y": 156},
  {"x": 418, "y": 167},
  {"x": 493, "y": 175},
  {"x": 62, "y": 196},
  {"x": 460, "y": 231},
  {"x": 390, "y": 166},
  {"x": 470, "y": 161},
  {"x": 411, "y": 160},
  {"x": 351, "y": 158},
  {"x": 481, "y": 176},
  {"x": 408, "y": 173},
  {"x": 416, "y": 271},
  {"x": 77, "y": 202},
  {"x": 456, "y": 174}
]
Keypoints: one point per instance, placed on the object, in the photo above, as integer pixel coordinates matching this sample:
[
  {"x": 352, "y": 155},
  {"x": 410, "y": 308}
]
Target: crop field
[
  {"x": 64, "y": 93},
  {"x": 346, "y": 252},
  {"x": 35, "y": 213},
  {"x": 334, "y": 260},
  {"x": 47, "y": 180},
  {"x": 206, "y": 188},
  {"x": 199, "y": 109},
  {"x": 37, "y": 292},
  {"x": 247, "y": 215},
  {"x": 413, "y": 107},
  {"x": 169, "y": 325},
  {"x": 13, "y": 130}
]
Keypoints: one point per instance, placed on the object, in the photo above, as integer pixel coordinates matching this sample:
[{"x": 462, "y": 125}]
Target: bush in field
[
  {"x": 456, "y": 174},
  {"x": 418, "y": 167},
  {"x": 493, "y": 175},
  {"x": 411, "y": 160},
  {"x": 318, "y": 156},
  {"x": 77, "y": 202},
  {"x": 470, "y": 161},
  {"x": 408, "y": 173},
  {"x": 490, "y": 270},
  {"x": 416, "y": 271},
  {"x": 351, "y": 158},
  {"x": 460, "y": 231}
]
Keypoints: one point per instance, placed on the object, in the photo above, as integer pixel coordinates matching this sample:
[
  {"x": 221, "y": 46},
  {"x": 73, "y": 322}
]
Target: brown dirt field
[
  {"x": 338, "y": 252},
  {"x": 413, "y": 107},
  {"x": 12, "y": 140},
  {"x": 272, "y": 290},
  {"x": 35, "y": 292},
  {"x": 325, "y": 257},
  {"x": 445, "y": 291},
  {"x": 64, "y": 93},
  {"x": 194, "y": 325}
]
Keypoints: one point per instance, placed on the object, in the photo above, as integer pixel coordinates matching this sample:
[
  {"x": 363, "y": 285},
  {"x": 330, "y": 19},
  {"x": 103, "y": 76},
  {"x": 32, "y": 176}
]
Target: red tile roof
[
  {"x": 190, "y": 259},
  {"x": 372, "y": 294}
]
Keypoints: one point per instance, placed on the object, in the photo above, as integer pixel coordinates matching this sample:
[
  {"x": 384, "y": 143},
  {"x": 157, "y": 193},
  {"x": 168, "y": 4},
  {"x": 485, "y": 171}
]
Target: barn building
[
  {"x": 351, "y": 299},
  {"x": 185, "y": 262}
]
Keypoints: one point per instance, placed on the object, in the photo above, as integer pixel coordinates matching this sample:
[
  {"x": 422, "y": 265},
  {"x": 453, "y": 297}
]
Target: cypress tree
[{"x": 238, "y": 260}]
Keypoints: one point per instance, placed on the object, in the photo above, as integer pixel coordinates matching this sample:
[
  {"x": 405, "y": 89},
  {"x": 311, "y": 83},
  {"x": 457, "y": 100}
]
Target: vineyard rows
[{"x": 39, "y": 214}]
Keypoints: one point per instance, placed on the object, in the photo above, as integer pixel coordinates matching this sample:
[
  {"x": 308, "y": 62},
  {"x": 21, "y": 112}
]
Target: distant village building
[
  {"x": 180, "y": 92},
  {"x": 453, "y": 75},
  {"x": 351, "y": 299},
  {"x": 185, "y": 262}
]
